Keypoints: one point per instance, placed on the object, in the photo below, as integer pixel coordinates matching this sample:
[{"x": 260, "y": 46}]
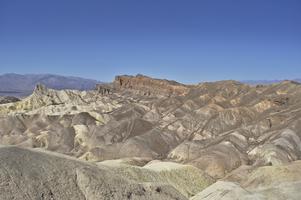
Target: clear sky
[{"x": 188, "y": 40}]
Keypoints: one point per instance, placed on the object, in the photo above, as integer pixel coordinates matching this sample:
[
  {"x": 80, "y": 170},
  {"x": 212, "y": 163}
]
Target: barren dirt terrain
[{"x": 145, "y": 138}]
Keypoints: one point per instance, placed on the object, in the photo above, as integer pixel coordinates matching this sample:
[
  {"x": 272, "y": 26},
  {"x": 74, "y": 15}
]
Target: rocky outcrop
[
  {"x": 59, "y": 102},
  {"x": 8, "y": 99},
  {"x": 148, "y": 86},
  {"x": 104, "y": 89}
]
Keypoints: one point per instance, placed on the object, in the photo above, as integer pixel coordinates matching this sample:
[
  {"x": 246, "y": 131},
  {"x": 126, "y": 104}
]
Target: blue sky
[{"x": 189, "y": 40}]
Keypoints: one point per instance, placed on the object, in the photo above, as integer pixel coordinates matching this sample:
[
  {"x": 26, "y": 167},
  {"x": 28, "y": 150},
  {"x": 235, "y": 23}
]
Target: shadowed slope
[{"x": 28, "y": 174}]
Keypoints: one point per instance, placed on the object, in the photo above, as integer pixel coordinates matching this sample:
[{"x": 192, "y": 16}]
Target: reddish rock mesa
[{"x": 149, "y": 86}]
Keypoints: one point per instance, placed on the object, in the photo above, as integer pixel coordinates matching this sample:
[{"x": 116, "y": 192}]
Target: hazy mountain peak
[{"x": 21, "y": 85}]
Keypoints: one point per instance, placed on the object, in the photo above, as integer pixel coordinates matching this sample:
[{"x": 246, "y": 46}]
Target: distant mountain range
[
  {"x": 22, "y": 85},
  {"x": 266, "y": 82}
]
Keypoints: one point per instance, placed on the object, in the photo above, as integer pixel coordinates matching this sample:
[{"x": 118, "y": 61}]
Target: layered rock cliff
[{"x": 148, "y": 86}]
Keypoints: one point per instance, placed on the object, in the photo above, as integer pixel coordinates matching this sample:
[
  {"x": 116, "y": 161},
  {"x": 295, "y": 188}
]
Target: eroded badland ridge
[{"x": 221, "y": 140}]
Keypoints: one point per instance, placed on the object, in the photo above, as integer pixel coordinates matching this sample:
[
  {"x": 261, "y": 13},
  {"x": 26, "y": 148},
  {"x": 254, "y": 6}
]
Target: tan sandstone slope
[{"x": 28, "y": 174}]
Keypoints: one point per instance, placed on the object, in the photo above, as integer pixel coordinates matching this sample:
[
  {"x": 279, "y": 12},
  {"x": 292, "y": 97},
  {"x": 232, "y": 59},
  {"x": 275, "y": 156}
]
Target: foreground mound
[
  {"x": 31, "y": 174},
  {"x": 270, "y": 182},
  {"x": 186, "y": 179}
]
